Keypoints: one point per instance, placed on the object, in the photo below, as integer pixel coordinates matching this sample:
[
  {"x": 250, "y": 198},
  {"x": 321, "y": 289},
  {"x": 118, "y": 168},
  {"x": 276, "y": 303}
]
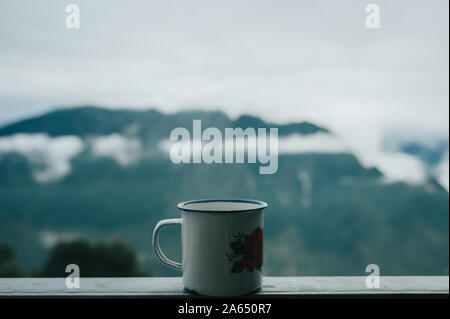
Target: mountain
[
  {"x": 91, "y": 120},
  {"x": 92, "y": 173},
  {"x": 431, "y": 156}
]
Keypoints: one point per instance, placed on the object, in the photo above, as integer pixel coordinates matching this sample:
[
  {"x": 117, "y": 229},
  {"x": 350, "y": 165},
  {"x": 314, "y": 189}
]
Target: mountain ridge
[{"x": 94, "y": 120}]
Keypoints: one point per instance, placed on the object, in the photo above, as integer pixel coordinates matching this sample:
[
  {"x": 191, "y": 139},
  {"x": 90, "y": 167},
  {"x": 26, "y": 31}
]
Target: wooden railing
[{"x": 157, "y": 287}]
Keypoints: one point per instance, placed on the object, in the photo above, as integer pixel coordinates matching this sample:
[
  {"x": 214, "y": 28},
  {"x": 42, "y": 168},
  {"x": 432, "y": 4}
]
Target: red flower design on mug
[{"x": 247, "y": 251}]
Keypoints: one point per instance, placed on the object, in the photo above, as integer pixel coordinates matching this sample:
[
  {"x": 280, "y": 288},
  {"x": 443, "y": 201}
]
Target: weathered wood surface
[{"x": 173, "y": 287}]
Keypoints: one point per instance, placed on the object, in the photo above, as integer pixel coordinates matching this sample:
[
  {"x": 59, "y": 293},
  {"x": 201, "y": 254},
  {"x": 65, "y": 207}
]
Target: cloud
[
  {"x": 396, "y": 166},
  {"x": 441, "y": 171},
  {"x": 50, "y": 157},
  {"x": 276, "y": 62},
  {"x": 313, "y": 143},
  {"x": 273, "y": 61},
  {"x": 123, "y": 149}
]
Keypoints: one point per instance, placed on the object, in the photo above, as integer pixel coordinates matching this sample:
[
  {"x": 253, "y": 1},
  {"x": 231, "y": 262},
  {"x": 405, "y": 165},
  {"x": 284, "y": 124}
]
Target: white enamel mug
[{"x": 222, "y": 245}]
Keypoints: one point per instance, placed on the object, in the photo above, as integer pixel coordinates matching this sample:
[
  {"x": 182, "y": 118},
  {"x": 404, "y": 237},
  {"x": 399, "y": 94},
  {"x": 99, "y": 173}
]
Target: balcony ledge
[{"x": 273, "y": 287}]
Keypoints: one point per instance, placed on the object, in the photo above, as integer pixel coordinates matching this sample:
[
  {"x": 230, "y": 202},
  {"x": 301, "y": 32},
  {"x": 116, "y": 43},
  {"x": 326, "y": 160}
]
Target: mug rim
[{"x": 261, "y": 205}]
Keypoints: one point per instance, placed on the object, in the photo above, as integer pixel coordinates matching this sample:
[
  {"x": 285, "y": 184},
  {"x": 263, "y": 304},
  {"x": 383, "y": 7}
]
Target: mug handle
[{"x": 157, "y": 248}]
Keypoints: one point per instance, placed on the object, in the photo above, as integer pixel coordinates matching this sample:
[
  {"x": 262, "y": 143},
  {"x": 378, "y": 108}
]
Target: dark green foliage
[
  {"x": 106, "y": 258},
  {"x": 8, "y": 264}
]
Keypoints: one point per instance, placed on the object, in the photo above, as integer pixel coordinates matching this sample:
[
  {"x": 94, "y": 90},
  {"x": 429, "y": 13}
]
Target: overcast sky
[{"x": 281, "y": 60}]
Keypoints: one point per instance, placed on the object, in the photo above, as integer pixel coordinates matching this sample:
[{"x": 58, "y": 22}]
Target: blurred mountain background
[{"x": 73, "y": 177}]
